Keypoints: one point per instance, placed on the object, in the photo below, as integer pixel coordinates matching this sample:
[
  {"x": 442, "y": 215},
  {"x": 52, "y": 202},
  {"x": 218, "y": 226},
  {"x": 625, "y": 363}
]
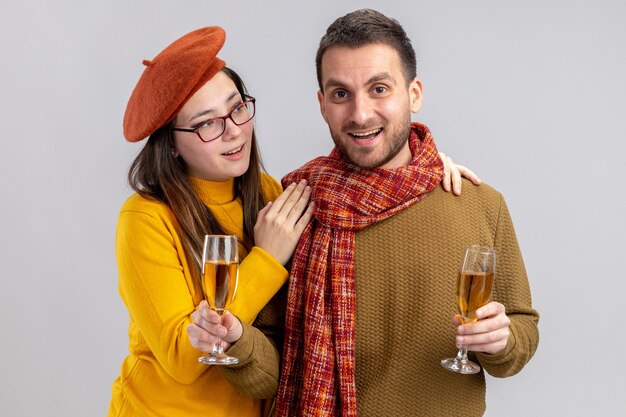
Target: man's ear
[
  {"x": 320, "y": 99},
  {"x": 415, "y": 95}
]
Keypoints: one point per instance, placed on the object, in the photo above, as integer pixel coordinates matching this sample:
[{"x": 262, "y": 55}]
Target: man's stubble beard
[{"x": 399, "y": 137}]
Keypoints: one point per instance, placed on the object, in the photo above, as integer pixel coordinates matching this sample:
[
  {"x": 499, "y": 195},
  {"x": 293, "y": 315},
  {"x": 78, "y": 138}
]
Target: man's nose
[{"x": 361, "y": 109}]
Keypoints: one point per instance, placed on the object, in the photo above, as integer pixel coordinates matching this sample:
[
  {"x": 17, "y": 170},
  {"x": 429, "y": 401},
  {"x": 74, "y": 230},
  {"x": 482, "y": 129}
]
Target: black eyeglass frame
[{"x": 248, "y": 99}]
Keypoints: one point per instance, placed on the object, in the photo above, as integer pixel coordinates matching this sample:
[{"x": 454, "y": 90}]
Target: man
[{"x": 372, "y": 291}]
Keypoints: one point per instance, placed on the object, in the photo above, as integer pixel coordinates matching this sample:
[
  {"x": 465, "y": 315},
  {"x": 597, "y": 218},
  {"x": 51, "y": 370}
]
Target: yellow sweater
[{"x": 161, "y": 376}]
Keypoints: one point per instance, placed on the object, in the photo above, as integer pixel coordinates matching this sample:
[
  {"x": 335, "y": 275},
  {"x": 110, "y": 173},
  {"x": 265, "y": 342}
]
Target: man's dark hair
[{"x": 365, "y": 27}]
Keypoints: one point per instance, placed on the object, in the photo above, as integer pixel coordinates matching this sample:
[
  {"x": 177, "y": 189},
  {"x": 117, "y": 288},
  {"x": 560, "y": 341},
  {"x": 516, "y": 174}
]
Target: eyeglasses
[{"x": 212, "y": 129}]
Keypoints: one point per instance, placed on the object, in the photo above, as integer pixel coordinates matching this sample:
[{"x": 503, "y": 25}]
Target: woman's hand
[
  {"x": 280, "y": 224},
  {"x": 452, "y": 174},
  {"x": 208, "y": 326}
]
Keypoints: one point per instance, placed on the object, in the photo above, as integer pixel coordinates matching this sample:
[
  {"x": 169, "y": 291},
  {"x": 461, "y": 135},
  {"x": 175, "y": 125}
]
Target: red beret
[{"x": 170, "y": 79}]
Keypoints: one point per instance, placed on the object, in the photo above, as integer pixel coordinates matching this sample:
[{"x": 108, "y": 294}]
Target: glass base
[
  {"x": 219, "y": 359},
  {"x": 461, "y": 367}
]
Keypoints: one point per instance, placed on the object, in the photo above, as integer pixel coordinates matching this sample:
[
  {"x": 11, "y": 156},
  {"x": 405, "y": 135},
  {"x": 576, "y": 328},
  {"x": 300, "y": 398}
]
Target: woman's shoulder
[
  {"x": 270, "y": 188},
  {"x": 140, "y": 204},
  {"x": 139, "y": 212}
]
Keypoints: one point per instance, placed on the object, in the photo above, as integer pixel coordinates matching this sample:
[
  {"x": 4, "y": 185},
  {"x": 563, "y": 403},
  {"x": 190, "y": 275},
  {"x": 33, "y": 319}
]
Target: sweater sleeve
[
  {"x": 260, "y": 278},
  {"x": 511, "y": 288},
  {"x": 258, "y": 350},
  {"x": 153, "y": 287}
]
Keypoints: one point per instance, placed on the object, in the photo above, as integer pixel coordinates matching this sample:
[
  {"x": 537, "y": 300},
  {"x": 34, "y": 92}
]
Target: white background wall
[{"x": 530, "y": 94}]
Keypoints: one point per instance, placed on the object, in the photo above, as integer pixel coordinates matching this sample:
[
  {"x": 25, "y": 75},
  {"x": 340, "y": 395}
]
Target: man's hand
[
  {"x": 489, "y": 334},
  {"x": 208, "y": 327}
]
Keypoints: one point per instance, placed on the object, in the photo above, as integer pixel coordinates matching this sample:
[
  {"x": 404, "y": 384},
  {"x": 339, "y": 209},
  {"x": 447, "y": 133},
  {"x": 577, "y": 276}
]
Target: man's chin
[
  {"x": 364, "y": 161},
  {"x": 362, "y": 157}
]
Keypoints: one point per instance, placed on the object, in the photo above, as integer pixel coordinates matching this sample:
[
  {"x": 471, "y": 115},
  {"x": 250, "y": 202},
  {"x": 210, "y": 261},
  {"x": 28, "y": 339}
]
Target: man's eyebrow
[
  {"x": 208, "y": 111},
  {"x": 381, "y": 76},
  {"x": 333, "y": 82}
]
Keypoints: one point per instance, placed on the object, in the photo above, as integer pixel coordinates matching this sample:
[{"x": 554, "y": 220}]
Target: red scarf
[{"x": 318, "y": 375}]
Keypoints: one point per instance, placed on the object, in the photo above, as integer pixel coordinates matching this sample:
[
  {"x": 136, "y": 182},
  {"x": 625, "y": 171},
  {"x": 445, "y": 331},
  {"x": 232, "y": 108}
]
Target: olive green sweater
[{"x": 406, "y": 272}]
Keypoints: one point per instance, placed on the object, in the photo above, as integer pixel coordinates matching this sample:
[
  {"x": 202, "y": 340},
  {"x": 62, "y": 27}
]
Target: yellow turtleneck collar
[
  {"x": 219, "y": 196},
  {"x": 214, "y": 192}
]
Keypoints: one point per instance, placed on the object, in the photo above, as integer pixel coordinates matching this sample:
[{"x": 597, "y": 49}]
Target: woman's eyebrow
[{"x": 208, "y": 111}]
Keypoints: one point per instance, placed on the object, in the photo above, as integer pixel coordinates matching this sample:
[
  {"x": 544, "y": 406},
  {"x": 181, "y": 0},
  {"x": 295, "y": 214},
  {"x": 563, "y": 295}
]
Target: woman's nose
[{"x": 231, "y": 130}]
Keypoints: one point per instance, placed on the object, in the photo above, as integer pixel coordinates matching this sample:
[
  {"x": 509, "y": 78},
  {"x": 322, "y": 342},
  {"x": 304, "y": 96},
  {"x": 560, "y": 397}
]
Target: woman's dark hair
[{"x": 157, "y": 174}]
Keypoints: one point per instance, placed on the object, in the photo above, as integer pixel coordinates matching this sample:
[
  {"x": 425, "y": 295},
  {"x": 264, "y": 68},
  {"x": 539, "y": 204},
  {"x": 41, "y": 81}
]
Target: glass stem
[
  {"x": 462, "y": 355},
  {"x": 217, "y": 347},
  {"x": 218, "y": 350}
]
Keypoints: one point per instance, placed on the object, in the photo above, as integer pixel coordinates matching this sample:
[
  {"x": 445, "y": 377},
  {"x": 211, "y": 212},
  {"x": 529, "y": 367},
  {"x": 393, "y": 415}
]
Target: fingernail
[{"x": 461, "y": 329}]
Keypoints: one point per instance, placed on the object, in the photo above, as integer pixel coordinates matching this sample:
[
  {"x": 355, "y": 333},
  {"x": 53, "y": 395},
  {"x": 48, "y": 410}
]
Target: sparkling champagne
[
  {"x": 472, "y": 292},
  {"x": 220, "y": 283}
]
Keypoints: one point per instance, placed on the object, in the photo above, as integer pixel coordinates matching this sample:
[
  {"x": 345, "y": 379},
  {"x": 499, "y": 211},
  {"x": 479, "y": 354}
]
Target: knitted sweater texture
[{"x": 406, "y": 272}]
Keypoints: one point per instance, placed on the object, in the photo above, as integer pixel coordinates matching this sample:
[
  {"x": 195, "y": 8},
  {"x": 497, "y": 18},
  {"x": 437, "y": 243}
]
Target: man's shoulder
[
  {"x": 316, "y": 164},
  {"x": 469, "y": 193},
  {"x": 307, "y": 171},
  {"x": 476, "y": 201}
]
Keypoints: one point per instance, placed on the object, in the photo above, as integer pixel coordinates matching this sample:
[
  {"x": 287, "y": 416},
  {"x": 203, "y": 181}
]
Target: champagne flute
[
  {"x": 473, "y": 291},
  {"x": 220, "y": 270}
]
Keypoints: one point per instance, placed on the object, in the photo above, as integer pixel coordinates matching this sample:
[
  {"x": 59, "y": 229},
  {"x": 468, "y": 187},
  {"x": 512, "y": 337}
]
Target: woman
[
  {"x": 199, "y": 173},
  {"x": 188, "y": 184}
]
